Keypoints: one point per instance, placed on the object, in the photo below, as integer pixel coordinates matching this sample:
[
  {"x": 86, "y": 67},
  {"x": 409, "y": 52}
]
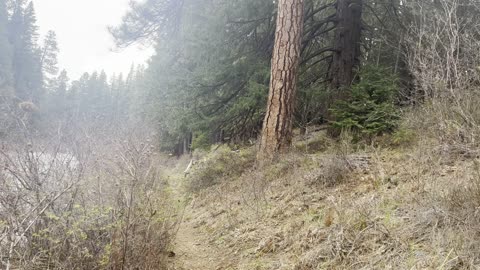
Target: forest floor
[{"x": 411, "y": 207}]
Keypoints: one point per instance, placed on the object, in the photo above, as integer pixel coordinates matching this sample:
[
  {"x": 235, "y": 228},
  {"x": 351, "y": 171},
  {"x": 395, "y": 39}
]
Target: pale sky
[{"x": 84, "y": 41}]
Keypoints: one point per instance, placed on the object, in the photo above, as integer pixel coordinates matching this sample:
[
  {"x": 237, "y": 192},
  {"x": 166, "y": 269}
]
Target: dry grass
[
  {"x": 314, "y": 143},
  {"x": 221, "y": 163},
  {"x": 407, "y": 208},
  {"x": 407, "y": 201}
]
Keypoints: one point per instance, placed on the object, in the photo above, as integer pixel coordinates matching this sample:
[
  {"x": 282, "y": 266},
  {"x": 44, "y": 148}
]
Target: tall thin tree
[
  {"x": 348, "y": 33},
  {"x": 49, "y": 60},
  {"x": 278, "y": 123},
  {"x": 23, "y": 32},
  {"x": 6, "y": 53}
]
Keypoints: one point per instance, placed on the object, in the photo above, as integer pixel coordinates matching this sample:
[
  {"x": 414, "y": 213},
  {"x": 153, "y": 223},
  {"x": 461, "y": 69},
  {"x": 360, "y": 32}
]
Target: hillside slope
[{"x": 332, "y": 207}]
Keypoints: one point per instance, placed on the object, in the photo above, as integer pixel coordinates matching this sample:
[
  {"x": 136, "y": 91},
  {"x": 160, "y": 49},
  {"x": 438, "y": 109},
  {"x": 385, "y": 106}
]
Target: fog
[{"x": 84, "y": 41}]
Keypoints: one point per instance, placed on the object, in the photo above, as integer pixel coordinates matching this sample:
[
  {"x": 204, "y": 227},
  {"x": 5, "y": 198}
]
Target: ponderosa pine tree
[{"x": 278, "y": 124}]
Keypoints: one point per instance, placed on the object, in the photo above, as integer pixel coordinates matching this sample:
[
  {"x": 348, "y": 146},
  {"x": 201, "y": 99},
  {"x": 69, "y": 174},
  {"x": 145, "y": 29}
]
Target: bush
[
  {"x": 83, "y": 209},
  {"x": 201, "y": 141},
  {"x": 334, "y": 171},
  {"x": 319, "y": 143},
  {"x": 403, "y": 137},
  {"x": 369, "y": 110},
  {"x": 219, "y": 164}
]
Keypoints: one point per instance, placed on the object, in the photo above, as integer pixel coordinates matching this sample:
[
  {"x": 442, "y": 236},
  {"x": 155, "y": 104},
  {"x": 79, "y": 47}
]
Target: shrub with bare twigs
[
  {"x": 71, "y": 202},
  {"x": 443, "y": 55}
]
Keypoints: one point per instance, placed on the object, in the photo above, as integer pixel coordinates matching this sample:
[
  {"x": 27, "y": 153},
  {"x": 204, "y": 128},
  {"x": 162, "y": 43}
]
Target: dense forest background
[{"x": 208, "y": 81}]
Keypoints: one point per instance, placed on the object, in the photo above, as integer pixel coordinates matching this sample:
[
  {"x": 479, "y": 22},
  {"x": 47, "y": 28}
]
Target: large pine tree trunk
[
  {"x": 347, "y": 43},
  {"x": 277, "y": 127}
]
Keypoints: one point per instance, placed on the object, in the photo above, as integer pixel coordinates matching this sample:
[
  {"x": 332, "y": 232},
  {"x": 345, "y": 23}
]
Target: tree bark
[
  {"x": 277, "y": 126},
  {"x": 347, "y": 50}
]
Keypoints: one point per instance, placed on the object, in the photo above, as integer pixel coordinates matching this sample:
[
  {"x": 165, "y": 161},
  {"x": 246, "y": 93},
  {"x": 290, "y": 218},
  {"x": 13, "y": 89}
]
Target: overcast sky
[{"x": 84, "y": 41}]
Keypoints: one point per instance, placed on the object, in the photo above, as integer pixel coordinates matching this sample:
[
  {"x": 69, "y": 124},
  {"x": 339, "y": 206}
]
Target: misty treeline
[
  {"x": 80, "y": 186},
  {"x": 209, "y": 78},
  {"x": 35, "y": 91}
]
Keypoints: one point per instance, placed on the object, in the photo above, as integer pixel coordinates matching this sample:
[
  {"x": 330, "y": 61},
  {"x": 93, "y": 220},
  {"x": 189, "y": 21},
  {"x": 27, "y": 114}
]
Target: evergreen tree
[
  {"x": 137, "y": 95},
  {"x": 56, "y": 101},
  {"x": 6, "y": 54},
  {"x": 28, "y": 81},
  {"x": 81, "y": 97},
  {"x": 62, "y": 84},
  {"x": 49, "y": 60},
  {"x": 129, "y": 94},
  {"x": 102, "y": 95},
  {"x": 277, "y": 131},
  {"x": 117, "y": 92},
  {"x": 347, "y": 43}
]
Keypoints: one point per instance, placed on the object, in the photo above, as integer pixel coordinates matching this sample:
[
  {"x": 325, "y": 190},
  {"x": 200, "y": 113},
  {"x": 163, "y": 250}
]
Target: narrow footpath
[{"x": 192, "y": 247}]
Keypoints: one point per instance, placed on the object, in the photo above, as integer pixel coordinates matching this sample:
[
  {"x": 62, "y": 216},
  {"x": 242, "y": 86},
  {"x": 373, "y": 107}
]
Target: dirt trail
[
  {"x": 193, "y": 250},
  {"x": 192, "y": 247}
]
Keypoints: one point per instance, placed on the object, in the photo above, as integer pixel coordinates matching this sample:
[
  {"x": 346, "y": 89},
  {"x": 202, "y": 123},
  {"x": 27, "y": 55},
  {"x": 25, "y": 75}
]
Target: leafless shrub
[
  {"x": 442, "y": 50},
  {"x": 463, "y": 200},
  {"x": 145, "y": 224},
  {"x": 83, "y": 202},
  {"x": 38, "y": 181},
  {"x": 11, "y": 117},
  {"x": 334, "y": 170},
  {"x": 335, "y": 167}
]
